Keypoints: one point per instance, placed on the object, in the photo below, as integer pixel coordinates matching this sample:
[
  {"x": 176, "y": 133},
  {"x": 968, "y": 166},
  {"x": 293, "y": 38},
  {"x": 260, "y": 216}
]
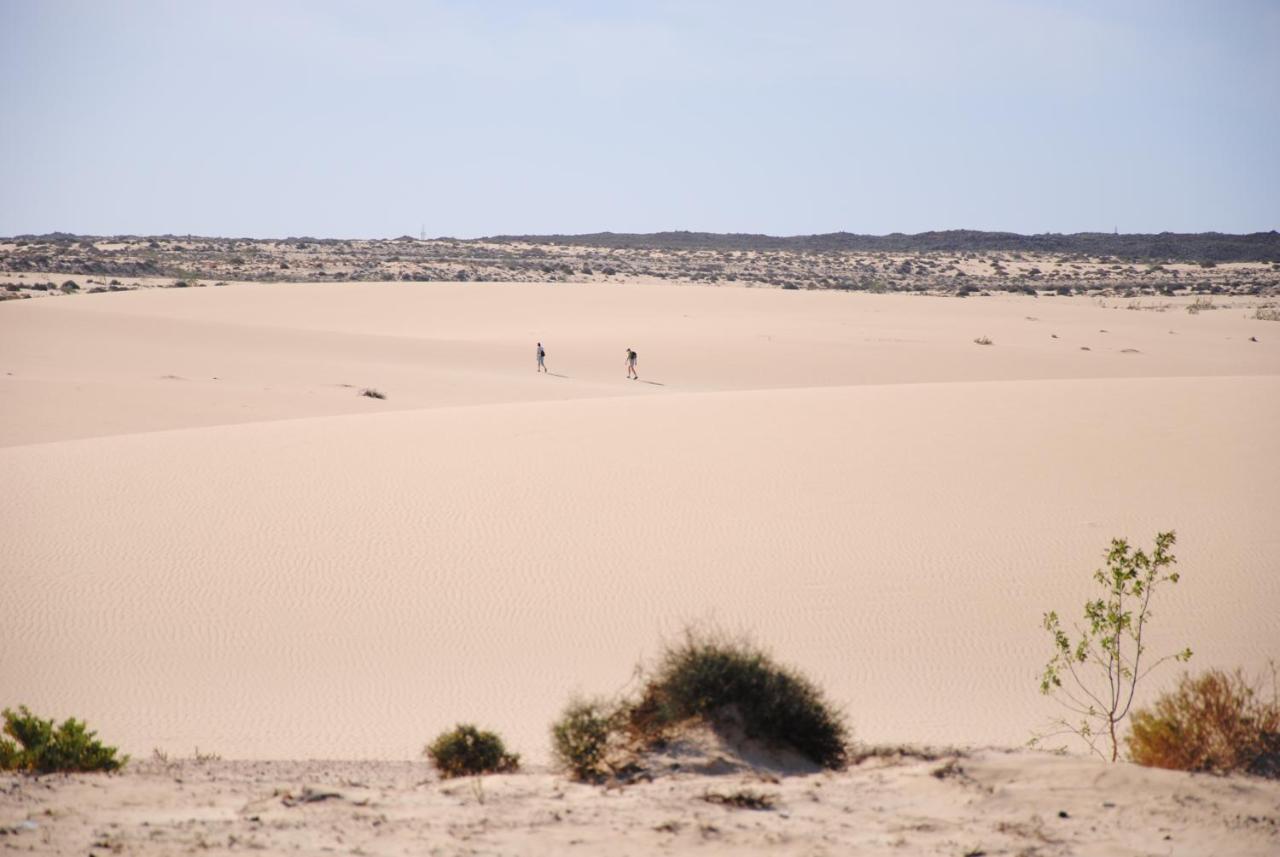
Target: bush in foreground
[
  {"x": 580, "y": 738},
  {"x": 38, "y": 746},
  {"x": 712, "y": 678},
  {"x": 1095, "y": 675},
  {"x": 466, "y": 750},
  {"x": 1215, "y": 722}
]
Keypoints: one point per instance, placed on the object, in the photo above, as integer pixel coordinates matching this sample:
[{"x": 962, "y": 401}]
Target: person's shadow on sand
[{"x": 654, "y": 383}]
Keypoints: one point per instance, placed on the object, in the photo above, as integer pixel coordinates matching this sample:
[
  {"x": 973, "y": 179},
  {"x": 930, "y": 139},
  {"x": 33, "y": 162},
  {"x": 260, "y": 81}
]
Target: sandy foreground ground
[
  {"x": 988, "y": 802},
  {"x": 212, "y": 540}
]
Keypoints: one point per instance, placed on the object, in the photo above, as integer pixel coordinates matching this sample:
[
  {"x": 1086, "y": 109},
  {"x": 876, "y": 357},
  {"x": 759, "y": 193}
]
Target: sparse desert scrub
[
  {"x": 984, "y": 340},
  {"x": 466, "y": 750},
  {"x": 1095, "y": 677},
  {"x": 731, "y": 685},
  {"x": 1215, "y": 722},
  {"x": 1267, "y": 313},
  {"x": 893, "y": 263},
  {"x": 580, "y": 738},
  {"x": 37, "y": 746},
  {"x": 371, "y": 393},
  {"x": 712, "y": 677}
]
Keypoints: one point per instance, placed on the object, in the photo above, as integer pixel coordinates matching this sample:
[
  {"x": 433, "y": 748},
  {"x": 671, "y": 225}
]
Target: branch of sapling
[{"x": 1112, "y": 644}]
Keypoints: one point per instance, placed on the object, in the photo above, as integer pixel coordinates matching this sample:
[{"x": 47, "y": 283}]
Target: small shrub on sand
[
  {"x": 372, "y": 393},
  {"x": 710, "y": 677},
  {"x": 1215, "y": 722},
  {"x": 580, "y": 738},
  {"x": 1095, "y": 676},
  {"x": 37, "y": 746},
  {"x": 983, "y": 340},
  {"x": 466, "y": 750}
]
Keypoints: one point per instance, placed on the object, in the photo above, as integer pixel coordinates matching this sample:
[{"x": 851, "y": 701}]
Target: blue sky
[{"x": 473, "y": 118}]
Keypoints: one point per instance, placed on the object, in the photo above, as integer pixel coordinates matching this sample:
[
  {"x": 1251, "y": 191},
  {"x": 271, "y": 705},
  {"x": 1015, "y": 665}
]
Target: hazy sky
[{"x": 471, "y": 118}]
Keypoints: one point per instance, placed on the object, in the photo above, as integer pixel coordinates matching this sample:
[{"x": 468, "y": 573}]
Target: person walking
[
  {"x": 542, "y": 358},
  {"x": 631, "y": 365}
]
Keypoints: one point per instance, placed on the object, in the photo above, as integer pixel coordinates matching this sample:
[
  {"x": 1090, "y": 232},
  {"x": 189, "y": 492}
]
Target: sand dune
[
  {"x": 101, "y": 364},
  {"x": 270, "y": 566}
]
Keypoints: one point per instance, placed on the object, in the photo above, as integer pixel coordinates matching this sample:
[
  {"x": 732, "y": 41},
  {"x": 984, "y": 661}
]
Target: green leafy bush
[
  {"x": 1216, "y": 722},
  {"x": 38, "y": 746},
  {"x": 466, "y": 750},
  {"x": 709, "y": 677},
  {"x": 580, "y": 738},
  {"x": 1095, "y": 676}
]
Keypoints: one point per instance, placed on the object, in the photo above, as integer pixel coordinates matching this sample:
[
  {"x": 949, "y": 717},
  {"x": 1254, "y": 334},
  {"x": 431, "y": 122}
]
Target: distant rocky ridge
[
  {"x": 959, "y": 262},
  {"x": 1164, "y": 246}
]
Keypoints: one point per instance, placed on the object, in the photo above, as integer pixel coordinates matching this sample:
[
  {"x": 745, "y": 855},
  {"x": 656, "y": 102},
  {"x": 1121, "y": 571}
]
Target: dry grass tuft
[{"x": 1216, "y": 722}]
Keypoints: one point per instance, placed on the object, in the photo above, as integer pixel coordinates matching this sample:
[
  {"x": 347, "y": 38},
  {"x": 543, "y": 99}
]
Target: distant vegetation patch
[{"x": 372, "y": 393}]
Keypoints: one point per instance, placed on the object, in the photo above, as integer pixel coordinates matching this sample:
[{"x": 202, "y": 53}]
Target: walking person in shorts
[
  {"x": 631, "y": 365},
  {"x": 542, "y": 358}
]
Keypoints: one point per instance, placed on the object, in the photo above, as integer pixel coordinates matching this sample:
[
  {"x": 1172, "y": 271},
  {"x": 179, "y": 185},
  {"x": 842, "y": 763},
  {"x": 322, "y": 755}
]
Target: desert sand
[
  {"x": 987, "y": 802},
  {"x": 211, "y": 539}
]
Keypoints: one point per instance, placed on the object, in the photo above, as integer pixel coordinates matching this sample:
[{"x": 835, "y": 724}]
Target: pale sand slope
[
  {"x": 347, "y": 586},
  {"x": 348, "y": 582},
  {"x": 89, "y": 365},
  {"x": 487, "y": 541},
  {"x": 992, "y": 803}
]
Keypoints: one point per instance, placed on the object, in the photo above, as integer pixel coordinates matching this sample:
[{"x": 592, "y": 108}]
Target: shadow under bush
[{"x": 466, "y": 750}]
